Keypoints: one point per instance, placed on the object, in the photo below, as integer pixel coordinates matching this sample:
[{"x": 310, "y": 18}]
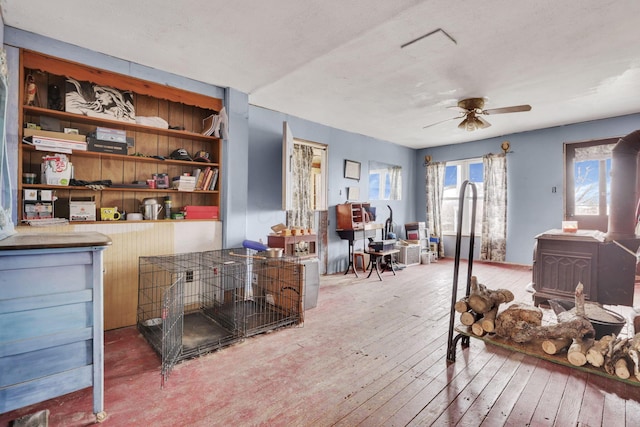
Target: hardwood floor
[{"x": 372, "y": 353}]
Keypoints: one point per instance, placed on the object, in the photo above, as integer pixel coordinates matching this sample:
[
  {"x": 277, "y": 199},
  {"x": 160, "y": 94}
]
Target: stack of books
[
  {"x": 184, "y": 183},
  {"x": 206, "y": 179}
]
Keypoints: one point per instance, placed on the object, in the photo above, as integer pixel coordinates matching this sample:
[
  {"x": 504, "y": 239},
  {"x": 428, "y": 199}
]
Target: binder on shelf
[
  {"x": 197, "y": 174},
  {"x": 214, "y": 179}
]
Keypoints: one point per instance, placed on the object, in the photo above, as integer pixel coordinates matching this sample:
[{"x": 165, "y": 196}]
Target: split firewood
[
  {"x": 481, "y": 299},
  {"x": 468, "y": 318},
  {"x": 635, "y": 358},
  {"x": 477, "y": 329},
  {"x": 488, "y": 321},
  {"x": 578, "y": 327},
  {"x": 555, "y": 346},
  {"x": 622, "y": 369},
  {"x": 595, "y": 355},
  {"x": 462, "y": 306},
  {"x": 577, "y": 353},
  {"x": 618, "y": 349},
  {"x": 516, "y": 318},
  {"x": 634, "y": 354}
]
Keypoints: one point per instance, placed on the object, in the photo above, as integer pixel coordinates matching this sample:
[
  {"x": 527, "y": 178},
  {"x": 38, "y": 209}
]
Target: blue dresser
[{"x": 51, "y": 317}]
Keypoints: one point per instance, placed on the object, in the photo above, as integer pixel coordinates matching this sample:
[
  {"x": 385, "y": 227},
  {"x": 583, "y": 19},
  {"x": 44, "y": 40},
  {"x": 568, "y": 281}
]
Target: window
[
  {"x": 385, "y": 181},
  {"x": 455, "y": 174},
  {"x": 588, "y": 183}
]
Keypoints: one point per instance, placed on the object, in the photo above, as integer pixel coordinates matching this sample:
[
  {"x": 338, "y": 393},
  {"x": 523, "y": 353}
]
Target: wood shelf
[
  {"x": 123, "y": 189},
  {"x": 152, "y": 145},
  {"x": 116, "y": 124},
  {"x": 130, "y": 157}
]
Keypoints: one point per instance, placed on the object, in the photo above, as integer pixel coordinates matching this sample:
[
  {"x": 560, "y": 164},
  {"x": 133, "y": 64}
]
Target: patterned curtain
[
  {"x": 494, "y": 212},
  {"x": 302, "y": 214},
  {"x": 396, "y": 183},
  {"x": 435, "y": 188}
]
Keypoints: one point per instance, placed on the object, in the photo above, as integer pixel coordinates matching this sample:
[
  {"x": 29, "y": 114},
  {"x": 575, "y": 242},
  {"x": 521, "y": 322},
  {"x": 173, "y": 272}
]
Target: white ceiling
[{"x": 340, "y": 63}]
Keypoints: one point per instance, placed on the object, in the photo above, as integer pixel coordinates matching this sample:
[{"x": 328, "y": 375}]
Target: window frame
[
  {"x": 464, "y": 173},
  {"x": 586, "y": 222}
]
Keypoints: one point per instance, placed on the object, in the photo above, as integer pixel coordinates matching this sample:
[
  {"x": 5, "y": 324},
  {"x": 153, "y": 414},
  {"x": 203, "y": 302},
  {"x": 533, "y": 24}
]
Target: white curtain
[
  {"x": 396, "y": 183},
  {"x": 302, "y": 213},
  {"x": 435, "y": 188},
  {"x": 494, "y": 212}
]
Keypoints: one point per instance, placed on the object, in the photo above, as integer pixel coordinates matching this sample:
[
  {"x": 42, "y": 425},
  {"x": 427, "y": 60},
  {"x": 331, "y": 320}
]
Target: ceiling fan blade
[
  {"x": 482, "y": 123},
  {"x": 442, "y": 121},
  {"x": 513, "y": 109}
]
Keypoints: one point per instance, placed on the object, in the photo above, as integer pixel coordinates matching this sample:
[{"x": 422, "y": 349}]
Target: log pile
[
  {"x": 480, "y": 308},
  {"x": 573, "y": 333}
]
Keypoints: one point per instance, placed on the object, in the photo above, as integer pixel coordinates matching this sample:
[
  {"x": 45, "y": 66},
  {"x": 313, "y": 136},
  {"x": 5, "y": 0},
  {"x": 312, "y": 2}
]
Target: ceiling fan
[{"x": 473, "y": 109}]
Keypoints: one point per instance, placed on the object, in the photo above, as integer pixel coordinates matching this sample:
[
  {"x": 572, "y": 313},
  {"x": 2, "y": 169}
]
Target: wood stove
[
  {"x": 606, "y": 270},
  {"x": 604, "y": 263}
]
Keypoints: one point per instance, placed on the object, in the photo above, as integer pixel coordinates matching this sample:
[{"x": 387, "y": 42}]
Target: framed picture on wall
[
  {"x": 353, "y": 193},
  {"x": 352, "y": 169}
]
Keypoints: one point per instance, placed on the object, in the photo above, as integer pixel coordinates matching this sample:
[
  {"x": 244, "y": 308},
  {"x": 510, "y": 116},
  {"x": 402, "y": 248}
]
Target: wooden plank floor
[{"x": 372, "y": 353}]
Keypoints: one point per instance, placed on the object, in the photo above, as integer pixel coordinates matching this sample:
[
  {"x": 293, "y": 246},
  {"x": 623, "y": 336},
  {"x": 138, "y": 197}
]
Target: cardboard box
[
  {"x": 108, "y": 134},
  {"x": 82, "y": 209},
  {"x": 50, "y": 134},
  {"x": 201, "y": 212},
  {"x": 102, "y": 146}
]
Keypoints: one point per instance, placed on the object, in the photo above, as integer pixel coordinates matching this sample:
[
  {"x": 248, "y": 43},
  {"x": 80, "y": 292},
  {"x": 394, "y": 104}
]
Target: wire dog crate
[{"x": 194, "y": 303}]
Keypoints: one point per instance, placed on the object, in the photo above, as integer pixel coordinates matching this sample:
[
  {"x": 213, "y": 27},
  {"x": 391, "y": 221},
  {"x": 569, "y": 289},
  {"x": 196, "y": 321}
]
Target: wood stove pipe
[{"x": 624, "y": 192}]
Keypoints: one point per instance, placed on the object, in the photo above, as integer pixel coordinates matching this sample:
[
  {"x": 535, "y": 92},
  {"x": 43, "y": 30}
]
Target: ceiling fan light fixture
[{"x": 473, "y": 122}]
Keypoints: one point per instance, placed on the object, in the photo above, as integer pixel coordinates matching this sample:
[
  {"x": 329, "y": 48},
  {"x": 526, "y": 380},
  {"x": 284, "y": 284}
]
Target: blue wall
[
  {"x": 534, "y": 166},
  {"x": 251, "y": 177},
  {"x": 265, "y": 165}
]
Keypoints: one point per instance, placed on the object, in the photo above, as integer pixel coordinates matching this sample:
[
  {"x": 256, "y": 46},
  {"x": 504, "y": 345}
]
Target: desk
[
  {"x": 351, "y": 235},
  {"x": 375, "y": 261}
]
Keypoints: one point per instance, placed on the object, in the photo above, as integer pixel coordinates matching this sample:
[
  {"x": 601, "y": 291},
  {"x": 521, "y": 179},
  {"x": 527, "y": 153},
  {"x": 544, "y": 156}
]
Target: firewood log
[
  {"x": 621, "y": 369},
  {"x": 636, "y": 325},
  {"x": 634, "y": 354},
  {"x": 595, "y": 355},
  {"x": 461, "y": 306},
  {"x": 477, "y": 329},
  {"x": 516, "y": 318},
  {"x": 481, "y": 299},
  {"x": 468, "y": 318},
  {"x": 488, "y": 321},
  {"x": 555, "y": 346},
  {"x": 578, "y": 327},
  {"x": 577, "y": 353},
  {"x": 618, "y": 349}
]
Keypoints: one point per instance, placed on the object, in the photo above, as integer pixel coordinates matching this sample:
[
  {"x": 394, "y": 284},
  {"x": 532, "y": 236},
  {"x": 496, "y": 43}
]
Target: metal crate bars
[
  {"x": 187, "y": 308},
  {"x": 190, "y": 304},
  {"x": 270, "y": 295}
]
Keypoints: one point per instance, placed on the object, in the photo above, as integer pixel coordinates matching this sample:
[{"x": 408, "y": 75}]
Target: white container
[{"x": 82, "y": 209}]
